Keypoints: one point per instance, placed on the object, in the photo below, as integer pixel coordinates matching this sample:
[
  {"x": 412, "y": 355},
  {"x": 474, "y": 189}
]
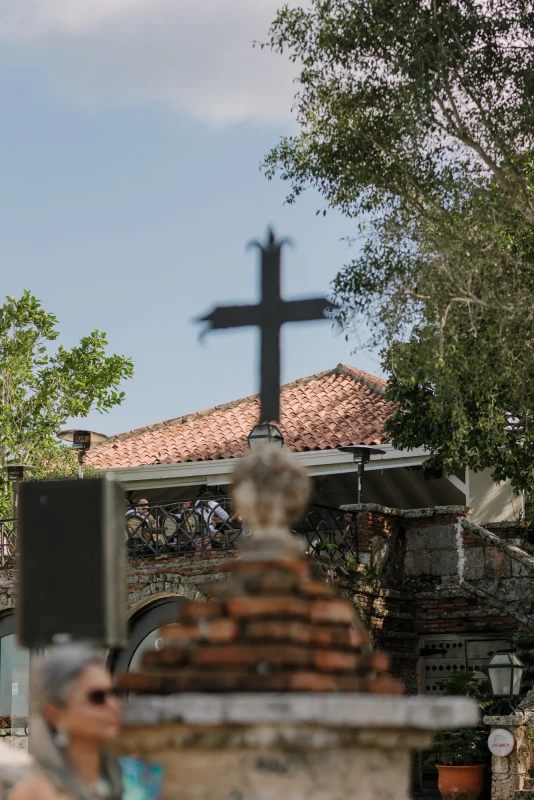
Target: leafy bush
[
  {"x": 468, "y": 745},
  {"x": 461, "y": 748}
]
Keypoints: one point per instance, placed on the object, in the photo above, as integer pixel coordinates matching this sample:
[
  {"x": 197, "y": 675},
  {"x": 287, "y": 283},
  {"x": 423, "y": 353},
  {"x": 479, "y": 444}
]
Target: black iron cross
[{"x": 269, "y": 315}]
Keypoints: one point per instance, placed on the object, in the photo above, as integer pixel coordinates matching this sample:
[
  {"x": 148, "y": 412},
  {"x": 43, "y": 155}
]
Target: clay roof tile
[{"x": 320, "y": 412}]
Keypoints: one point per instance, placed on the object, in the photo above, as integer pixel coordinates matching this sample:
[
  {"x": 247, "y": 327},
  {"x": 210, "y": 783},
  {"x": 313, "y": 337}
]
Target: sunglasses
[{"x": 97, "y": 697}]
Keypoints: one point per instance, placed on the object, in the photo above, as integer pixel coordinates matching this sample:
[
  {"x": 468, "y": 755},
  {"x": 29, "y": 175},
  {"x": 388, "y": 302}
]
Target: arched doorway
[
  {"x": 14, "y": 684},
  {"x": 143, "y": 631}
]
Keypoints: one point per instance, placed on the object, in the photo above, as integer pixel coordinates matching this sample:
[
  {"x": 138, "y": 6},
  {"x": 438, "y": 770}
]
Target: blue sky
[{"x": 130, "y": 148}]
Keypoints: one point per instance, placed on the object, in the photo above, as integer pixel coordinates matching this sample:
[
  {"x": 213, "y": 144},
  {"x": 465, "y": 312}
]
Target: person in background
[
  {"x": 218, "y": 520},
  {"x": 77, "y": 714},
  {"x": 140, "y": 525},
  {"x": 213, "y": 514},
  {"x": 142, "y": 510}
]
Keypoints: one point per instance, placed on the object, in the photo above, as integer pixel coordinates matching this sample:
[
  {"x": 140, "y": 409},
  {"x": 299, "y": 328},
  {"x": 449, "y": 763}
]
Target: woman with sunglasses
[{"x": 77, "y": 714}]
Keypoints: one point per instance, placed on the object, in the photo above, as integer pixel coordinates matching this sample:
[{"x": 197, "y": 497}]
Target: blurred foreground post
[{"x": 72, "y": 563}]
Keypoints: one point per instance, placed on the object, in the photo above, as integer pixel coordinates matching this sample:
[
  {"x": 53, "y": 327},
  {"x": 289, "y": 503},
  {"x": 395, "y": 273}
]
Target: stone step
[{"x": 524, "y": 794}]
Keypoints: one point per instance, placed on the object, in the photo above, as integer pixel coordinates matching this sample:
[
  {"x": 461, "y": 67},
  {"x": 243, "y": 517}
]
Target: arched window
[
  {"x": 14, "y": 680},
  {"x": 143, "y": 631}
]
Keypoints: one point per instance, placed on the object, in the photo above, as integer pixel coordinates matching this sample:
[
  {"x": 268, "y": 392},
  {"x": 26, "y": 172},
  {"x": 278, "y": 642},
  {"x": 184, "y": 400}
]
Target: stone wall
[
  {"x": 453, "y": 609},
  {"x": 511, "y": 774},
  {"x": 500, "y": 572},
  {"x": 148, "y": 577},
  {"x": 407, "y": 544},
  {"x": 431, "y": 547},
  {"x": 472, "y": 572},
  {"x": 438, "y": 575},
  {"x": 8, "y": 589},
  {"x": 389, "y": 616},
  {"x": 188, "y": 576}
]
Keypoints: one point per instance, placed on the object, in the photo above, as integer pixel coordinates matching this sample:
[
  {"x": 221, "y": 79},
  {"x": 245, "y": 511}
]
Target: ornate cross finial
[{"x": 269, "y": 315}]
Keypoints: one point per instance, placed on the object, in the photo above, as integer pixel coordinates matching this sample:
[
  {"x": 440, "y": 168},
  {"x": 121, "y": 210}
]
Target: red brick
[
  {"x": 348, "y": 683},
  {"x": 231, "y": 681},
  {"x": 358, "y": 636},
  {"x": 297, "y": 566},
  {"x": 184, "y": 681},
  {"x": 272, "y": 582},
  {"x": 386, "y": 686},
  {"x": 337, "y": 611},
  {"x": 203, "y": 681},
  {"x": 334, "y": 661},
  {"x": 287, "y": 655},
  {"x": 299, "y": 682},
  {"x": 281, "y": 630},
  {"x": 195, "y": 611},
  {"x": 188, "y": 569},
  {"x": 316, "y": 589},
  {"x": 377, "y": 661},
  {"x": 140, "y": 682},
  {"x": 286, "y": 606},
  {"x": 166, "y": 657},
  {"x": 329, "y": 636},
  {"x": 216, "y": 630}
]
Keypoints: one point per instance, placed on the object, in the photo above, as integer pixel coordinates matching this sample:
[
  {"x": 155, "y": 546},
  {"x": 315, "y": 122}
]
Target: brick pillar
[
  {"x": 271, "y": 689},
  {"x": 264, "y": 746}
]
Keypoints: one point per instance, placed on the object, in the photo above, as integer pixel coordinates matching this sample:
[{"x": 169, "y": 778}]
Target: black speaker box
[{"x": 72, "y": 563}]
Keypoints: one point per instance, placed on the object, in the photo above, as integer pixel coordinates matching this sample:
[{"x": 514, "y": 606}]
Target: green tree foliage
[
  {"x": 416, "y": 121},
  {"x": 41, "y": 387}
]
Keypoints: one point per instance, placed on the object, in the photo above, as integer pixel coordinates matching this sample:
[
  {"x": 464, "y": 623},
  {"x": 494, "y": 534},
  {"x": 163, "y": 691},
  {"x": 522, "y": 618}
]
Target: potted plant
[
  {"x": 462, "y": 759},
  {"x": 461, "y": 756}
]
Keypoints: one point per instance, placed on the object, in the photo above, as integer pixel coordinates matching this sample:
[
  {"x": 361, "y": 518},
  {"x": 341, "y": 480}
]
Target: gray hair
[{"x": 56, "y": 671}]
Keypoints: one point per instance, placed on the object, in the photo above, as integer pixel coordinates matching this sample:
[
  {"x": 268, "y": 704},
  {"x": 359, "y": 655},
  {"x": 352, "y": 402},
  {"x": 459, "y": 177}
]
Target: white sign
[{"x": 501, "y": 742}]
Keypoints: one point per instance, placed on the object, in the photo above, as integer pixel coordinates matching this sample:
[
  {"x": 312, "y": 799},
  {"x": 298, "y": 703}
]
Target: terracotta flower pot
[{"x": 461, "y": 783}]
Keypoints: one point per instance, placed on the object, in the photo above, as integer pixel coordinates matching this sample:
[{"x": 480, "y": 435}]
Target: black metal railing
[
  {"x": 186, "y": 527},
  {"x": 8, "y": 543},
  {"x": 329, "y": 532},
  {"x": 202, "y": 525}
]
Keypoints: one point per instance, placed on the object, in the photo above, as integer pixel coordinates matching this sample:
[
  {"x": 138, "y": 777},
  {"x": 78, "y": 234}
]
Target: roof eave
[{"x": 219, "y": 471}]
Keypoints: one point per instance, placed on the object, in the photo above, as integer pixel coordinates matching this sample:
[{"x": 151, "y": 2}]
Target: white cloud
[{"x": 191, "y": 55}]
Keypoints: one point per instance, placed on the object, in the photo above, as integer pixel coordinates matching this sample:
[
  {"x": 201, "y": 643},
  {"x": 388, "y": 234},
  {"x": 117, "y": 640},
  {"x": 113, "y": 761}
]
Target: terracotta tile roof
[{"x": 338, "y": 407}]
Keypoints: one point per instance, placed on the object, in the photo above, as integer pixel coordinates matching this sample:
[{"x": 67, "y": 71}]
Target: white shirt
[{"x": 209, "y": 508}]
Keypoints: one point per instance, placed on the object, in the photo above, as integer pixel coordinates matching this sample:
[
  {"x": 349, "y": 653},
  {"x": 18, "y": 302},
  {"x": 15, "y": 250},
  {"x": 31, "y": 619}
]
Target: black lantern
[
  {"x": 265, "y": 433},
  {"x": 361, "y": 454},
  {"x": 82, "y": 441},
  {"x": 505, "y": 673},
  {"x": 15, "y": 474}
]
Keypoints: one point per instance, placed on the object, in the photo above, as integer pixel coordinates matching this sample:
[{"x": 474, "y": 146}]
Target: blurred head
[
  {"x": 75, "y": 694},
  {"x": 143, "y": 505}
]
